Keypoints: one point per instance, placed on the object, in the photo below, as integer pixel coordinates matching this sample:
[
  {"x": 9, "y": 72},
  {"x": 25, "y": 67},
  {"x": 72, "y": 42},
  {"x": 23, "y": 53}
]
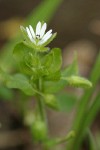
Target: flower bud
[
  {"x": 51, "y": 101},
  {"x": 39, "y": 130},
  {"x": 77, "y": 81}
]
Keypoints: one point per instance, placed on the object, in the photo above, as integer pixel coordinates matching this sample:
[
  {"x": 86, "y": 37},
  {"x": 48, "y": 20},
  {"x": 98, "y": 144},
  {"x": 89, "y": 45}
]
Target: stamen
[{"x": 38, "y": 36}]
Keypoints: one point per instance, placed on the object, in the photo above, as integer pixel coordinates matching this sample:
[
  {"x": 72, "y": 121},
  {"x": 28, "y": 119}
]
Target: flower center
[{"x": 38, "y": 36}]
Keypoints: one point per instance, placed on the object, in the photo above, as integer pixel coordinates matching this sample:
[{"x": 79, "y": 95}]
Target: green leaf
[
  {"x": 46, "y": 60},
  {"x": 53, "y": 77},
  {"x": 77, "y": 81},
  {"x": 19, "y": 81},
  {"x": 56, "y": 60},
  {"x": 66, "y": 101},
  {"x": 54, "y": 87},
  {"x": 52, "y": 61},
  {"x": 50, "y": 64},
  {"x": 21, "y": 52},
  {"x": 51, "y": 101}
]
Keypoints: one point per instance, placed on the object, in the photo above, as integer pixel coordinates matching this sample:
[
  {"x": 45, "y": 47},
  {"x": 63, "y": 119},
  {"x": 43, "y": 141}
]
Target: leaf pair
[{"x": 38, "y": 64}]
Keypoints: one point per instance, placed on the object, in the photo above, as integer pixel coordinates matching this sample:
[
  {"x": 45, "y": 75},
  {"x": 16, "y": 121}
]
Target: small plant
[{"x": 41, "y": 76}]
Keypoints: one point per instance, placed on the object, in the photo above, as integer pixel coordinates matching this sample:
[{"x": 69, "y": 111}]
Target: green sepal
[
  {"x": 51, "y": 101},
  {"x": 42, "y": 49}
]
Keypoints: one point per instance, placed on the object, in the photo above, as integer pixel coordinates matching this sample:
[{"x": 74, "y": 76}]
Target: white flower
[{"x": 39, "y": 36}]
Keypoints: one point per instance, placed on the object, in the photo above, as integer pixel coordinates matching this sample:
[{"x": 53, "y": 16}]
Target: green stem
[
  {"x": 41, "y": 110},
  {"x": 41, "y": 105}
]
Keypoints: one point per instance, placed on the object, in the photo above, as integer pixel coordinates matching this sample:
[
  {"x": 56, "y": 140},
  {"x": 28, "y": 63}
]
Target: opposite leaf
[
  {"x": 21, "y": 82},
  {"x": 53, "y": 60},
  {"x": 20, "y": 52}
]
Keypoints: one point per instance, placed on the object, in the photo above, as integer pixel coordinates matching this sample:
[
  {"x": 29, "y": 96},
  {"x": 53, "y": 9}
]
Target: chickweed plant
[{"x": 41, "y": 76}]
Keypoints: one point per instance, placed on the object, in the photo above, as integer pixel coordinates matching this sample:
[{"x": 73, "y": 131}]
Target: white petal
[
  {"x": 29, "y": 35},
  {"x": 43, "y": 30},
  {"x": 46, "y": 35},
  {"x": 32, "y": 31},
  {"x": 45, "y": 39},
  {"x": 38, "y": 28}
]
